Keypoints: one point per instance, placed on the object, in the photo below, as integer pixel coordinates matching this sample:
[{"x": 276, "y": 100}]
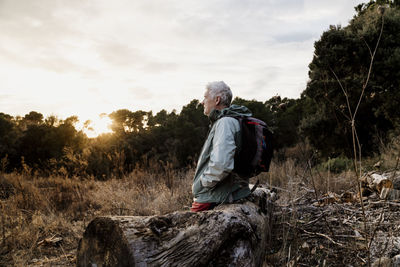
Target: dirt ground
[{"x": 333, "y": 232}]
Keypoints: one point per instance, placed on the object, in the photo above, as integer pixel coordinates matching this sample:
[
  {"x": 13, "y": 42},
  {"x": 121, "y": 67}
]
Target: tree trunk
[{"x": 229, "y": 235}]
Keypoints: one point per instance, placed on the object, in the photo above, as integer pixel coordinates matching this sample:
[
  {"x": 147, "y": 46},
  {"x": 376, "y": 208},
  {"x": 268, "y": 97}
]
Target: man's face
[{"x": 208, "y": 103}]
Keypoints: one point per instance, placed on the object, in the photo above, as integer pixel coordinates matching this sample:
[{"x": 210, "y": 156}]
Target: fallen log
[
  {"x": 231, "y": 234},
  {"x": 390, "y": 194},
  {"x": 373, "y": 182}
]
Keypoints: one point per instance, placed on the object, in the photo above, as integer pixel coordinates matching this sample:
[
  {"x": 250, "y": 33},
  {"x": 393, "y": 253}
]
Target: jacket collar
[
  {"x": 214, "y": 115},
  {"x": 233, "y": 111}
]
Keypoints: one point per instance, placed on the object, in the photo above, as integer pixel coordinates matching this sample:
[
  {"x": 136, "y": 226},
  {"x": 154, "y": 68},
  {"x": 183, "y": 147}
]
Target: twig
[
  {"x": 315, "y": 220},
  {"x": 325, "y": 236},
  {"x": 351, "y": 236},
  {"x": 364, "y": 261},
  {"x": 345, "y": 94},
  {"x": 352, "y": 211},
  {"x": 315, "y": 234},
  {"x": 4, "y": 227},
  {"x": 395, "y": 168},
  {"x": 370, "y": 66},
  {"x": 380, "y": 220},
  {"x": 385, "y": 202},
  {"x": 369, "y": 48},
  {"x": 65, "y": 255},
  {"x": 302, "y": 196}
]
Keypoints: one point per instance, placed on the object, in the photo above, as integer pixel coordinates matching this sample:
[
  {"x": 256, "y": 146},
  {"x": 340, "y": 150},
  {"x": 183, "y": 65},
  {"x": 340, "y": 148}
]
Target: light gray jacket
[{"x": 214, "y": 179}]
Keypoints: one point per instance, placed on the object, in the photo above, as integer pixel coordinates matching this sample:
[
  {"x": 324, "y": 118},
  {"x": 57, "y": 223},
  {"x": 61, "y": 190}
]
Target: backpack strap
[
  {"x": 259, "y": 136},
  {"x": 255, "y": 186}
]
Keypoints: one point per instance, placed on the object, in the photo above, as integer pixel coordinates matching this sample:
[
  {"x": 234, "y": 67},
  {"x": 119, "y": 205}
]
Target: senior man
[{"x": 215, "y": 181}]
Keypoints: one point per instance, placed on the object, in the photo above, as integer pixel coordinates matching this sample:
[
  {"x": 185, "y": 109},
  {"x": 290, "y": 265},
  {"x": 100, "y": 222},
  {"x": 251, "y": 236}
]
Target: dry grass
[
  {"x": 34, "y": 209},
  {"x": 58, "y": 208},
  {"x": 389, "y": 156},
  {"x": 291, "y": 180}
]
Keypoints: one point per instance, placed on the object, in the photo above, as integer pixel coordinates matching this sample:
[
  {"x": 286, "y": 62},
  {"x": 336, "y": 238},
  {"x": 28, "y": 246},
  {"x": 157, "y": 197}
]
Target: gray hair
[{"x": 222, "y": 90}]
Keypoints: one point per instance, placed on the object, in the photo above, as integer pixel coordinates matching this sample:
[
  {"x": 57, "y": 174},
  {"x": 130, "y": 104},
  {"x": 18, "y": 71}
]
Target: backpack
[{"x": 256, "y": 150}]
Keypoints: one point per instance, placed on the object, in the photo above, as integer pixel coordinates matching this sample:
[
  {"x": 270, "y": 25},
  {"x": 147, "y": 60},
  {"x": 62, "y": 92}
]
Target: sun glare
[{"x": 98, "y": 126}]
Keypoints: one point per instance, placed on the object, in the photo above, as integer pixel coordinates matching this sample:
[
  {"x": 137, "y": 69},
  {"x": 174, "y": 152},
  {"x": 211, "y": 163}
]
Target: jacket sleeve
[{"x": 223, "y": 152}]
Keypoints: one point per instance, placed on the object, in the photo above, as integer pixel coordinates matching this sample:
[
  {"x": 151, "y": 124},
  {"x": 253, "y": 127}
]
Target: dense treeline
[
  {"x": 139, "y": 138},
  {"x": 320, "y": 117}
]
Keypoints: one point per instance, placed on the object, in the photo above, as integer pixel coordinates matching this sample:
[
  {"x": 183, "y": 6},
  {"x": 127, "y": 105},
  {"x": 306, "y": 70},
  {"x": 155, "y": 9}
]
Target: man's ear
[{"x": 217, "y": 100}]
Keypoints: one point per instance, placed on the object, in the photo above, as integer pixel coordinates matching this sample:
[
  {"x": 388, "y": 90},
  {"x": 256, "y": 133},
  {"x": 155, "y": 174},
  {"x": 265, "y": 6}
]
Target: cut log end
[{"x": 104, "y": 244}]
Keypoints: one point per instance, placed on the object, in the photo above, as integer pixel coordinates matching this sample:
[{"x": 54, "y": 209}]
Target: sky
[{"x": 88, "y": 57}]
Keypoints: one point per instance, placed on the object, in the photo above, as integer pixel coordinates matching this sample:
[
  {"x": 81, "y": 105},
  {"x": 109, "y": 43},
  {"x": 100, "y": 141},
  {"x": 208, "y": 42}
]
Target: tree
[
  {"x": 340, "y": 67},
  {"x": 125, "y": 121},
  {"x": 34, "y": 117},
  {"x": 8, "y": 140}
]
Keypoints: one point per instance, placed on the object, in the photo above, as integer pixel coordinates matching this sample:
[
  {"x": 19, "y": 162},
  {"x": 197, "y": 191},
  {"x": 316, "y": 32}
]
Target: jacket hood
[{"x": 231, "y": 111}]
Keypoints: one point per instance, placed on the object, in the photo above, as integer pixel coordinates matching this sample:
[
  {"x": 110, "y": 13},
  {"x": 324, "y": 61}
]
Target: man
[{"x": 215, "y": 181}]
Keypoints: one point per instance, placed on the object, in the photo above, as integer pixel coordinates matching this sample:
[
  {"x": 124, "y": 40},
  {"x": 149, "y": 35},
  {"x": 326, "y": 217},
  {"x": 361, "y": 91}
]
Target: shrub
[{"x": 336, "y": 165}]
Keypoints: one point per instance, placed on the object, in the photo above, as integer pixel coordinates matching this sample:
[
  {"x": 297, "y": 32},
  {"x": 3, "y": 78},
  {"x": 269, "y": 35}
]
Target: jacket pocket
[{"x": 198, "y": 188}]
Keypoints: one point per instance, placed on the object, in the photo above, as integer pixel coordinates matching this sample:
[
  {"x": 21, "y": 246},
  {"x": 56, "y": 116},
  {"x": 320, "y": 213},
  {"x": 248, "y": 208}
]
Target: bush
[{"x": 336, "y": 165}]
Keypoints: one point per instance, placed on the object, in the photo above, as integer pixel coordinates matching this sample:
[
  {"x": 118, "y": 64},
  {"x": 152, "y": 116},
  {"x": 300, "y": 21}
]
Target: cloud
[
  {"x": 155, "y": 54},
  {"x": 34, "y": 23},
  {"x": 142, "y": 93},
  {"x": 126, "y": 56},
  {"x": 118, "y": 54},
  {"x": 4, "y": 97},
  {"x": 293, "y": 37},
  {"x": 39, "y": 34}
]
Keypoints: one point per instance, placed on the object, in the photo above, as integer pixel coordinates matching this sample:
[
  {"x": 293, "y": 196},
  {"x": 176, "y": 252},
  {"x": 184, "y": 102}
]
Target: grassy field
[{"x": 43, "y": 218}]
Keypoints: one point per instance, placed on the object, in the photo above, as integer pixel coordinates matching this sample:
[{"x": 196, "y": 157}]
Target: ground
[
  {"x": 42, "y": 219},
  {"x": 333, "y": 232}
]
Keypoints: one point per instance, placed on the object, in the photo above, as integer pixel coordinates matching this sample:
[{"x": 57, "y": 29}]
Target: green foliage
[
  {"x": 374, "y": 4},
  {"x": 34, "y": 117},
  {"x": 337, "y": 165},
  {"x": 340, "y": 66},
  {"x": 37, "y": 141},
  {"x": 125, "y": 121},
  {"x": 287, "y": 114},
  {"x": 8, "y": 137}
]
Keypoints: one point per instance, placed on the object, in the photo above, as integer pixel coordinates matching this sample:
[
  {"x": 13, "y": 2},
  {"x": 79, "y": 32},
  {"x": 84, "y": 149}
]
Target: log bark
[{"x": 229, "y": 235}]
